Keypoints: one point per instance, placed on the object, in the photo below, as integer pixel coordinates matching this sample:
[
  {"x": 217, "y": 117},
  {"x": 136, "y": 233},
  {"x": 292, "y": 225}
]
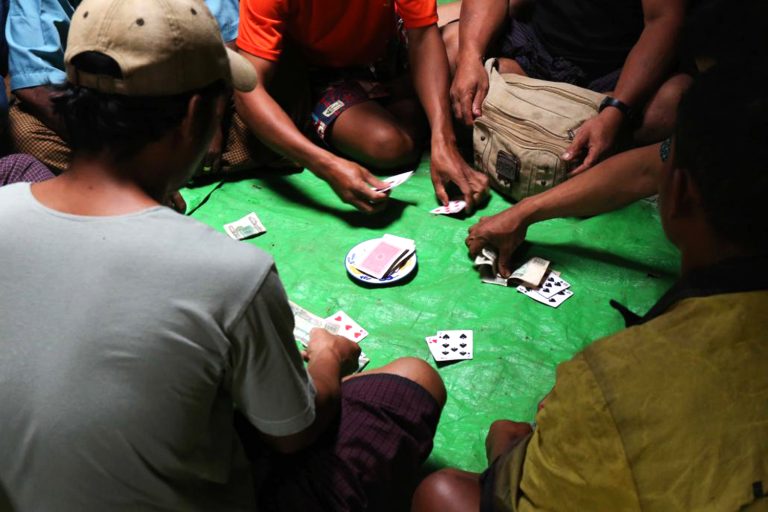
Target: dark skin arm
[
  {"x": 644, "y": 70},
  {"x": 330, "y": 359},
  {"x": 429, "y": 65},
  {"x": 480, "y": 21},
  {"x": 612, "y": 184},
  {"x": 37, "y": 100},
  {"x": 268, "y": 121}
]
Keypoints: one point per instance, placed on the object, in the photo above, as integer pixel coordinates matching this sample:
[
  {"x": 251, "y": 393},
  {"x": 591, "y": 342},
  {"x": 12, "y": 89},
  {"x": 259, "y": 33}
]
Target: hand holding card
[
  {"x": 452, "y": 208},
  {"x": 395, "y": 181}
]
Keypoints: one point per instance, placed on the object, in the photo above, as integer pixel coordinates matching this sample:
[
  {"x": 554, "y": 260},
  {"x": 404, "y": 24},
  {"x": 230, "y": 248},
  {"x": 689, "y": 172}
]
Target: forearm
[
  {"x": 430, "y": 78},
  {"x": 480, "y": 22},
  {"x": 612, "y": 184},
  {"x": 37, "y": 100},
  {"x": 649, "y": 61},
  {"x": 325, "y": 370},
  {"x": 269, "y": 122}
]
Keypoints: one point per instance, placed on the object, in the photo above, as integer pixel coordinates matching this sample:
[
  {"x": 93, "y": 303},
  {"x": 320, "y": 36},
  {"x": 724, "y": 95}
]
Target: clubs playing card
[
  {"x": 553, "y": 301},
  {"x": 451, "y": 345},
  {"x": 552, "y": 285},
  {"x": 348, "y": 327},
  {"x": 452, "y": 208},
  {"x": 395, "y": 181}
]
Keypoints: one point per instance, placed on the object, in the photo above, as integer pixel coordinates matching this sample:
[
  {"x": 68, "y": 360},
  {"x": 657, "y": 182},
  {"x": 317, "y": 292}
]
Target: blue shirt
[{"x": 37, "y": 34}]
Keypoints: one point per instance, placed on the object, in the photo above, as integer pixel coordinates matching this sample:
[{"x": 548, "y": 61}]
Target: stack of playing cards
[
  {"x": 387, "y": 256},
  {"x": 450, "y": 345},
  {"x": 452, "y": 208},
  {"x": 339, "y": 323},
  {"x": 530, "y": 273},
  {"x": 248, "y": 226},
  {"x": 395, "y": 181}
]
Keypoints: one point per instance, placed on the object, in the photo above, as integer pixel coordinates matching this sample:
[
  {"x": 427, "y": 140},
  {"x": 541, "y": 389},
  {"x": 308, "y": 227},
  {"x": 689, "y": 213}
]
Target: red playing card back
[{"x": 380, "y": 260}]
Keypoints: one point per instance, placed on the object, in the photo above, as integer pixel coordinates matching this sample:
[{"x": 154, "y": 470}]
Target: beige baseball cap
[{"x": 163, "y": 47}]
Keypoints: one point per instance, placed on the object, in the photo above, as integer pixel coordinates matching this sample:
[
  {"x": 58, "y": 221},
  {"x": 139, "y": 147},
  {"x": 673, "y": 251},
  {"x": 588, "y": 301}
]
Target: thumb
[
  {"x": 477, "y": 103},
  {"x": 373, "y": 180},
  {"x": 575, "y": 147},
  {"x": 505, "y": 255}
]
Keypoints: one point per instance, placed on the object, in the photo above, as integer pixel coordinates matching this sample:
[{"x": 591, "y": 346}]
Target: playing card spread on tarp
[{"x": 517, "y": 341}]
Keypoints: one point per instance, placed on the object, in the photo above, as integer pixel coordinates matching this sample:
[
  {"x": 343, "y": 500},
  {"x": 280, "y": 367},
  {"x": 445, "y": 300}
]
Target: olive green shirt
[{"x": 671, "y": 415}]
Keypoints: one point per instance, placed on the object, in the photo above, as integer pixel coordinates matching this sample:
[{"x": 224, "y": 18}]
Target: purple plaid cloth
[
  {"x": 383, "y": 436},
  {"x": 22, "y": 168}
]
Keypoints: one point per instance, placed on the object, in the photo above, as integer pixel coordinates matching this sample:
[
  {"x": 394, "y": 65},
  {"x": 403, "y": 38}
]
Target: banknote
[
  {"x": 248, "y": 226},
  {"x": 304, "y": 322}
]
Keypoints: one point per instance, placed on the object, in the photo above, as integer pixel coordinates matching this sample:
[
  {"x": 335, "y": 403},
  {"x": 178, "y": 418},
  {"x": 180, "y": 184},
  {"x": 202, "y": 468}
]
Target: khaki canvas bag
[{"x": 526, "y": 125}]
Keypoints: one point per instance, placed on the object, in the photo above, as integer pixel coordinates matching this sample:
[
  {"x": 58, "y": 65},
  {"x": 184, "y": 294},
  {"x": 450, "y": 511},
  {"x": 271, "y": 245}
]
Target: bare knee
[
  {"x": 388, "y": 146},
  {"x": 420, "y": 372},
  {"x": 446, "y": 490},
  {"x": 661, "y": 113}
]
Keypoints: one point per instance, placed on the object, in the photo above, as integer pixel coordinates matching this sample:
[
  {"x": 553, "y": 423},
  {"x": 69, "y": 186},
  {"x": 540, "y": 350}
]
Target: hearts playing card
[
  {"x": 553, "y": 301},
  {"x": 451, "y": 208},
  {"x": 395, "y": 181},
  {"x": 451, "y": 345},
  {"x": 347, "y": 326}
]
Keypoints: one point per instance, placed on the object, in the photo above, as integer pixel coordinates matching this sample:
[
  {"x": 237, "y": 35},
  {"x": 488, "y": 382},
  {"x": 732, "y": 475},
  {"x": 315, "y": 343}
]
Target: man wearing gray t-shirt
[{"x": 132, "y": 336}]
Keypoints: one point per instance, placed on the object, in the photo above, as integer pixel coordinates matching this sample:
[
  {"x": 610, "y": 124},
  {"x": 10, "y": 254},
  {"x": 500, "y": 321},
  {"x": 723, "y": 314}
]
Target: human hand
[
  {"x": 504, "y": 232},
  {"x": 503, "y": 436},
  {"x": 468, "y": 90},
  {"x": 447, "y": 166},
  {"x": 212, "y": 161},
  {"x": 595, "y": 136},
  {"x": 352, "y": 183},
  {"x": 323, "y": 343},
  {"x": 176, "y": 201}
]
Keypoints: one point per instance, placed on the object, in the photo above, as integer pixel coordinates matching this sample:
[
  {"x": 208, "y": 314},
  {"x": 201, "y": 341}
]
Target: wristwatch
[{"x": 613, "y": 102}]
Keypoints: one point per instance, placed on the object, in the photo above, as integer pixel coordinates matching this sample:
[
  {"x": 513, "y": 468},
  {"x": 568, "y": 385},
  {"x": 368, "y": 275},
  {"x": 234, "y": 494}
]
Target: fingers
[
  {"x": 440, "y": 192},
  {"x": 587, "y": 163},
  {"x": 576, "y": 146},
  {"x": 373, "y": 180},
  {"x": 477, "y": 101},
  {"x": 475, "y": 245}
]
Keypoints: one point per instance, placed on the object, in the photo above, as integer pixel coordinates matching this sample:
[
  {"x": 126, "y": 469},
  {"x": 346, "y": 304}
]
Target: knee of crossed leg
[
  {"x": 389, "y": 147},
  {"x": 420, "y": 372}
]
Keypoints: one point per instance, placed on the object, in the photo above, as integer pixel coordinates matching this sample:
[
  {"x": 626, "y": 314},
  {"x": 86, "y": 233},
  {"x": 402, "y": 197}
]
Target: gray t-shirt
[{"x": 124, "y": 343}]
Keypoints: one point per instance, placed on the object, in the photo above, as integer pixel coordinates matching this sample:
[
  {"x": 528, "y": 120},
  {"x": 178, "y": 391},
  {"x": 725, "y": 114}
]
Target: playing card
[
  {"x": 451, "y": 208},
  {"x": 552, "y": 285},
  {"x": 553, "y": 301},
  {"x": 407, "y": 244},
  {"x": 395, "y": 181},
  {"x": 348, "y": 327},
  {"x": 248, "y": 226},
  {"x": 451, "y": 345},
  {"x": 382, "y": 258}
]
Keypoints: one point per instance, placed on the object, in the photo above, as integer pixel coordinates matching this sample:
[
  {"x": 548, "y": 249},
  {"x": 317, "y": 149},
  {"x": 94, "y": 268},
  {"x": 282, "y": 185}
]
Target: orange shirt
[{"x": 330, "y": 33}]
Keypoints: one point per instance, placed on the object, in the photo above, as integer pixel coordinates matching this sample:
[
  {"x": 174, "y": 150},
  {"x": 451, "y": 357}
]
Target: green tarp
[{"x": 518, "y": 342}]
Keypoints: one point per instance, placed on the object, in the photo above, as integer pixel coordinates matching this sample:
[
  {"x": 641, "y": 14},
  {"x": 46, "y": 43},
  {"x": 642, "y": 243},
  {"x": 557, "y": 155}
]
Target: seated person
[
  {"x": 37, "y": 33},
  {"x": 632, "y": 175},
  {"x": 625, "y": 48},
  {"x": 131, "y": 334},
  {"x": 365, "y": 113},
  {"x": 669, "y": 414}
]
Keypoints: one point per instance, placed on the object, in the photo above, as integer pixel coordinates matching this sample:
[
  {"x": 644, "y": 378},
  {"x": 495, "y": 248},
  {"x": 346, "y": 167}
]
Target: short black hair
[
  {"x": 720, "y": 141},
  {"x": 97, "y": 122}
]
